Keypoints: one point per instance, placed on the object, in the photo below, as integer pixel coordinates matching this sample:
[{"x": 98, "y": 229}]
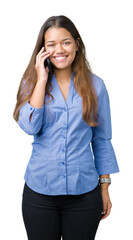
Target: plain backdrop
[{"x": 107, "y": 31}]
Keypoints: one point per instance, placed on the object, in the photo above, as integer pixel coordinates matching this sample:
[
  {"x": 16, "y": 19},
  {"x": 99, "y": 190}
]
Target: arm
[
  {"x": 107, "y": 205},
  {"x": 37, "y": 98},
  {"x": 104, "y": 155},
  {"x": 31, "y": 113}
]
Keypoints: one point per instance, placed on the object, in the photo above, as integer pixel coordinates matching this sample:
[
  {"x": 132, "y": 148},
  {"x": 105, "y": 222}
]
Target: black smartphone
[{"x": 47, "y": 63}]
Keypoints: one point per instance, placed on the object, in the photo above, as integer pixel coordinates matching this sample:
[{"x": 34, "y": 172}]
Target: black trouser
[{"x": 74, "y": 217}]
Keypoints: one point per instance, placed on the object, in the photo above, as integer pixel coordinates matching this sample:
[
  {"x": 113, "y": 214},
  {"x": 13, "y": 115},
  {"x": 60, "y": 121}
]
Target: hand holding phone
[
  {"x": 42, "y": 72},
  {"x": 47, "y": 63}
]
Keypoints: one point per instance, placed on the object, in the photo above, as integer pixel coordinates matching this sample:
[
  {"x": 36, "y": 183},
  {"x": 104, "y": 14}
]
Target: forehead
[{"x": 57, "y": 34}]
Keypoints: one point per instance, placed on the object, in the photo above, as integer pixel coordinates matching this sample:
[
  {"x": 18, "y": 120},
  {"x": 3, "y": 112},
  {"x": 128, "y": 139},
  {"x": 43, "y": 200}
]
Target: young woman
[{"x": 66, "y": 108}]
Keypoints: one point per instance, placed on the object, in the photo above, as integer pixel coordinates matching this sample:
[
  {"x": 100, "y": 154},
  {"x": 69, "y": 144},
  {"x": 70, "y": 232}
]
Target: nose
[{"x": 60, "y": 49}]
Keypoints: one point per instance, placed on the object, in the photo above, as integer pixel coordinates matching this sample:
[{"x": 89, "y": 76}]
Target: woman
[{"x": 66, "y": 108}]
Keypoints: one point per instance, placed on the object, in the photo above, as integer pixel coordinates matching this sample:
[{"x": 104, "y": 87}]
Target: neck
[{"x": 63, "y": 75}]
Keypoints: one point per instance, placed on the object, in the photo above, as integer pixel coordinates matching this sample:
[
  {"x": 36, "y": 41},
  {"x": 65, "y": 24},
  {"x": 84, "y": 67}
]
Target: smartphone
[{"x": 47, "y": 63}]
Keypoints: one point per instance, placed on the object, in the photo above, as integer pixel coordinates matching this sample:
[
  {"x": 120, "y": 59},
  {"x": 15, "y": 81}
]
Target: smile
[{"x": 60, "y": 58}]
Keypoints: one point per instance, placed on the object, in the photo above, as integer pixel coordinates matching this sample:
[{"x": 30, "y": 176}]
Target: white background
[{"x": 107, "y": 31}]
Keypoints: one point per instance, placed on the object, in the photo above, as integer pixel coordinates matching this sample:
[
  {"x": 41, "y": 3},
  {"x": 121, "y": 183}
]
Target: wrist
[
  {"x": 105, "y": 179},
  {"x": 104, "y": 186},
  {"x": 41, "y": 81}
]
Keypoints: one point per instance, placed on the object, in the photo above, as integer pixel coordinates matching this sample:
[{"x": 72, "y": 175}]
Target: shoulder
[{"x": 98, "y": 84}]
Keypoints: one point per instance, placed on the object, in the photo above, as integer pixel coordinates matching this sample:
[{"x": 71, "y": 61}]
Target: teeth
[{"x": 60, "y": 58}]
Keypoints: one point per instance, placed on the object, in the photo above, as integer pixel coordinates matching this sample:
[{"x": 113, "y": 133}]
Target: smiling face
[{"x": 62, "y": 47}]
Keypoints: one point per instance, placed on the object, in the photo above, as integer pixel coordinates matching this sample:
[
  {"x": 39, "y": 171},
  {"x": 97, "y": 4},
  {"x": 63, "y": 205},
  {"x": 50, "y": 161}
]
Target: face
[{"x": 62, "y": 47}]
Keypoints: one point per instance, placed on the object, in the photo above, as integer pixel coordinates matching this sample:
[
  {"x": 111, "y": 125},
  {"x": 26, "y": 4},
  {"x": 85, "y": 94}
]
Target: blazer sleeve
[
  {"x": 104, "y": 155},
  {"x": 32, "y": 126}
]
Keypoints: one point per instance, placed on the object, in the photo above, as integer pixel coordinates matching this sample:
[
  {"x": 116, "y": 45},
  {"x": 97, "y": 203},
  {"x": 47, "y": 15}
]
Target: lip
[{"x": 61, "y": 56}]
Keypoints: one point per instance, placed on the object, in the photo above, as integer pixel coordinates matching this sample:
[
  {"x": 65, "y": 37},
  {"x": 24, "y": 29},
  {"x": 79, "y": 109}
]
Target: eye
[
  {"x": 51, "y": 45},
  {"x": 66, "y": 43}
]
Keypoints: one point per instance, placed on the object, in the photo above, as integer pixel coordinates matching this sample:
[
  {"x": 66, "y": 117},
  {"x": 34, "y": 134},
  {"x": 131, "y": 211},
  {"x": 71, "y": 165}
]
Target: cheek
[
  {"x": 51, "y": 52},
  {"x": 73, "y": 55},
  {"x": 72, "y": 51}
]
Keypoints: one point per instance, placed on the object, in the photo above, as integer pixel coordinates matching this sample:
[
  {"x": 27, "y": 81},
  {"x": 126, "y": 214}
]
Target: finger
[
  {"x": 42, "y": 52},
  {"x": 105, "y": 216},
  {"x": 47, "y": 69},
  {"x": 45, "y": 54},
  {"x": 44, "y": 58},
  {"x": 40, "y": 55},
  {"x": 41, "y": 59},
  {"x": 109, "y": 209},
  {"x": 105, "y": 207},
  {"x": 106, "y": 213}
]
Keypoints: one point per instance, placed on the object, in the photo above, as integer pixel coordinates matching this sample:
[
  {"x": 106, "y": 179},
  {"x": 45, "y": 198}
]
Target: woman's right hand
[{"x": 42, "y": 72}]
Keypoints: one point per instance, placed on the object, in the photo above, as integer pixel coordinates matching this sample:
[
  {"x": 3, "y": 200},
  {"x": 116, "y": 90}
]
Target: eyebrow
[{"x": 62, "y": 40}]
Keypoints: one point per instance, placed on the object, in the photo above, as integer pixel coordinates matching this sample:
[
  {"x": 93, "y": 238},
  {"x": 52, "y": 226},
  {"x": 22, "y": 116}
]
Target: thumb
[
  {"x": 47, "y": 69},
  {"x": 105, "y": 208}
]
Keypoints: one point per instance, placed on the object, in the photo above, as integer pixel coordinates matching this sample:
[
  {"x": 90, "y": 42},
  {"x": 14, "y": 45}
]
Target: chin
[
  {"x": 58, "y": 66},
  {"x": 62, "y": 68}
]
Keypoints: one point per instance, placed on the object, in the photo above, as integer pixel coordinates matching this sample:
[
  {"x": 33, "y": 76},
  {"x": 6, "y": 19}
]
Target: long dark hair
[{"x": 80, "y": 66}]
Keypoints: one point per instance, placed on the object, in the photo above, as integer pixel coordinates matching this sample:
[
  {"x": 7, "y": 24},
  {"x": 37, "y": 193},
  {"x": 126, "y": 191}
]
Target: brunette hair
[{"x": 80, "y": 66}]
